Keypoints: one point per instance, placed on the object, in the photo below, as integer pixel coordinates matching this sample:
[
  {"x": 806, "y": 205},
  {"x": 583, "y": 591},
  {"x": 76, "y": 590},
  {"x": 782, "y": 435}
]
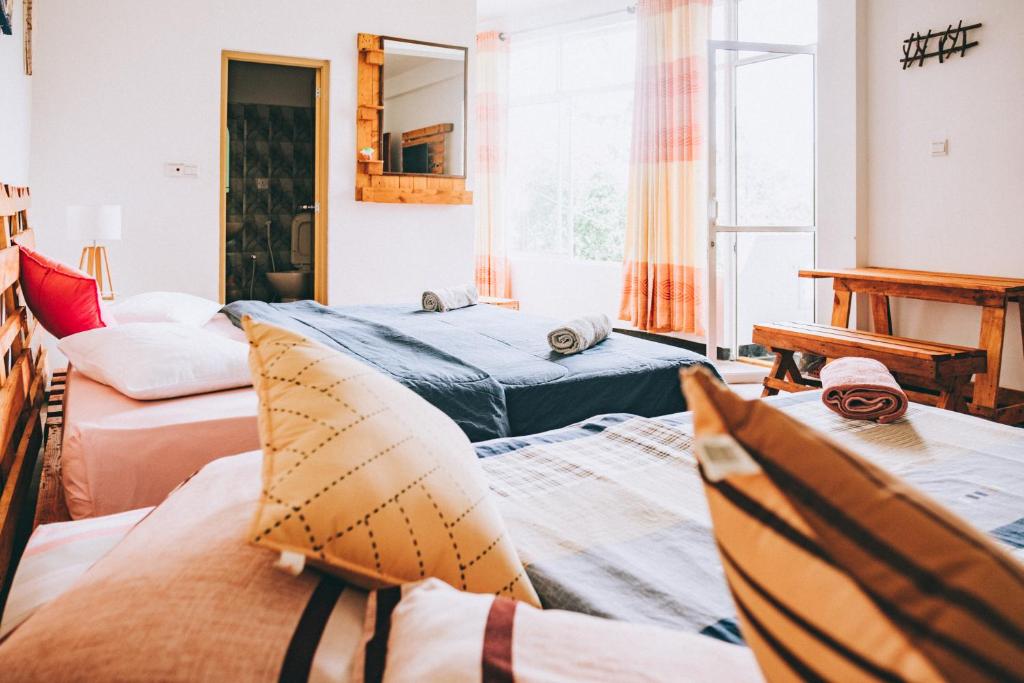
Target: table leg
[
  {"x": 993, "y": 328},
  {"x": 841, "y": 308},
  {"x": 881, "y": 315}
]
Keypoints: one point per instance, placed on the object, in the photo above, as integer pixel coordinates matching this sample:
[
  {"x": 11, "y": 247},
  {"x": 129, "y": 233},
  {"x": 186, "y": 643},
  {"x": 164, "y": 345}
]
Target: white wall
[
  {"x": 842, "y": 201},
  {"x": 123, "y": 86},
  {"x": 963, "y": 212},
  {"x": 15, "y": 104}
]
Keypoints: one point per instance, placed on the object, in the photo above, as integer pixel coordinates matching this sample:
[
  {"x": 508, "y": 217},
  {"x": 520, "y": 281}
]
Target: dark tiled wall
[{"x": 271, "y": 175}]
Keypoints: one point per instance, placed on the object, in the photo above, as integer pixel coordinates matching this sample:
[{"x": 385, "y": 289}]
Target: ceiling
[
  {"x": 492, "y": 9},
  {"x": 395, "y": 65}
]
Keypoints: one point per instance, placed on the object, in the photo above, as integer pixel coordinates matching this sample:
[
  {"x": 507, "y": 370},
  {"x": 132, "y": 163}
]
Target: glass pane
[
  {"x": 778, "y": 21},
  {"x": 774, "y": 140},
  {"x": 599, "y": 167},
  {"x": 599, "y": 57},
  {"x": 724, "y": 150},
  {"x": 535, "y": 185},
  {"x": 529, "y": 64},
  {"x": 767, "y": 287}
]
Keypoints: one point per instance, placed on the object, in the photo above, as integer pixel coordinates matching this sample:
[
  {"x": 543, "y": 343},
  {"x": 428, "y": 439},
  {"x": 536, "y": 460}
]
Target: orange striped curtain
[
  {"x": 492, "y": 271},
  {"x": 667, "y": 211}
]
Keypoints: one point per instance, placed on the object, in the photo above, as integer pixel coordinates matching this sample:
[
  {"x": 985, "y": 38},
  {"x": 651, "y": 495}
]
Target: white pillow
[
  {"x": 164, "y": 307},
  {"x": 158, "y": 360},
  {"x": 221, "y": 325}
]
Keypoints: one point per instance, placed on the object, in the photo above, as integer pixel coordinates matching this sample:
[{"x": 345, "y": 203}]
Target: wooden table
[{"x": 993, "y": 294}]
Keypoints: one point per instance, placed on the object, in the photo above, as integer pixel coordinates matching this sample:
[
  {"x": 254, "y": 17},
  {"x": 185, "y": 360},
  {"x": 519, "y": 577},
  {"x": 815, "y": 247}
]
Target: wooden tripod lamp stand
[{"x": 95, "y": 224}]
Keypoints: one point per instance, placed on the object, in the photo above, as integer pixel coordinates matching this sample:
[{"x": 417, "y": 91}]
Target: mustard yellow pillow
[{"x": 365, "y": 479}]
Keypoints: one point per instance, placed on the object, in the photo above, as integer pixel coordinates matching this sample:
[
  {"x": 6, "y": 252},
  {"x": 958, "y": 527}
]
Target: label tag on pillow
[
  {"x": 291, "y": 563},
  {"x": 722, "y": 457}
]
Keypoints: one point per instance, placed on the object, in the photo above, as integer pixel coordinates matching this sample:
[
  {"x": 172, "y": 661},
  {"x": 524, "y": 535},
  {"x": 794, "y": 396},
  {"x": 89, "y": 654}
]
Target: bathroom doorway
[{"x": 273, "y": 214}]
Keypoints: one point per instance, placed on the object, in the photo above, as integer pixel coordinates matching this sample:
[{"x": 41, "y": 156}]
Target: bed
[
  {"x": 610, "y": 518},
  {"x": 490, "y": 369},
  {"x": 114, "y": 453},
  {"x": 496, "y": 376},
  {"x": 119, "y": 453}
]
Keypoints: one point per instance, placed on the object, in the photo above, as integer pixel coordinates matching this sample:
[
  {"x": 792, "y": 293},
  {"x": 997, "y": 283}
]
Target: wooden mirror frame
[{"x": 372, "y": 185}]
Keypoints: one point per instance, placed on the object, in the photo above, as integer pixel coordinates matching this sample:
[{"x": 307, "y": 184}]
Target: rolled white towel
[
  {"x": 441, "y": 300},
  {"x": 580, "y": 333}
]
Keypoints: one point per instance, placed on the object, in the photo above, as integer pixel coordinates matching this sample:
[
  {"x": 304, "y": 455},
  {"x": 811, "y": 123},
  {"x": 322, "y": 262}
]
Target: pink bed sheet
[{"x": 120, "y": 454}]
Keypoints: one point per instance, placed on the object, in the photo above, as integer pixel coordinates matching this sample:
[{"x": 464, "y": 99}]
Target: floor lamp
[{"x": 93, "y": 224}]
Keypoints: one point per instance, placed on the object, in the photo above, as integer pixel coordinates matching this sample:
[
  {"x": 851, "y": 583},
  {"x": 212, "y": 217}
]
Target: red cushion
[{"x": 64, "y": 300}]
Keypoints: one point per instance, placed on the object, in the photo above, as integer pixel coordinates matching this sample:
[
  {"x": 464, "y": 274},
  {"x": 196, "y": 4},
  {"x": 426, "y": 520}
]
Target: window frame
[{"x": 714, "y": 228}]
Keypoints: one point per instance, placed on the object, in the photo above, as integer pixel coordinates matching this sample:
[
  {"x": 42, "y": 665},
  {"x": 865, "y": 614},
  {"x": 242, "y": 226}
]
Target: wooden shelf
[
  {"x": 372, "y": 166},
  {"x": 392, "y": 196}
]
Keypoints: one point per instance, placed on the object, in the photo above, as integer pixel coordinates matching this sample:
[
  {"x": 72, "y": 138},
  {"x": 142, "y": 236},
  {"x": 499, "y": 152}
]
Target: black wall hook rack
[{"x": 950, "y": 41}]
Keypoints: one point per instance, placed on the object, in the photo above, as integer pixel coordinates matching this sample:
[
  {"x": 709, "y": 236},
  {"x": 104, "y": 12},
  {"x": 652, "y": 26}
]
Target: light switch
[
  {"x": 940, "y": 148},
  {"x": 177, "y": 169}
]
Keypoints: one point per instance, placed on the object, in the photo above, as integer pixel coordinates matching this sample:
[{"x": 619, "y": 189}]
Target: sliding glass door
[{"x": 762, "y": 226}]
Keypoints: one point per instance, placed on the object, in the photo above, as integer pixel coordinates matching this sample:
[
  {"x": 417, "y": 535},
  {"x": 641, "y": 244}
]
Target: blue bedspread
[{"x": 490, "y": 369}]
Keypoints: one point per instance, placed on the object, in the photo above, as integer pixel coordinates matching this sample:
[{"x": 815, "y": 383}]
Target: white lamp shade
[{"x": 88, "y": 223}]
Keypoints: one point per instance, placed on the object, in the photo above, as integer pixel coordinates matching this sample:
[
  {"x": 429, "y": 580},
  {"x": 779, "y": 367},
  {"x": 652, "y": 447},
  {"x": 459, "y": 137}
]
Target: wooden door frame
[{"x": 322, "y": 67}]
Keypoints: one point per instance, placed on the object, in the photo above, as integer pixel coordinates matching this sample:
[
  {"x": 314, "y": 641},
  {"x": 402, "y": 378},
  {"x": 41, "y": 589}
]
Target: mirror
[{"x": 423, "y": 93}]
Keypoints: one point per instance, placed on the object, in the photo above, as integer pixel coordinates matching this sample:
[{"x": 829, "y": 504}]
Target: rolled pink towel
[{"x": 862, "y": 389}]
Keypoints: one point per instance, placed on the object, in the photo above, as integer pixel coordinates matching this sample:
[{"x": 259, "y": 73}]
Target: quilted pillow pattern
[{"x": 365, "y": 479}]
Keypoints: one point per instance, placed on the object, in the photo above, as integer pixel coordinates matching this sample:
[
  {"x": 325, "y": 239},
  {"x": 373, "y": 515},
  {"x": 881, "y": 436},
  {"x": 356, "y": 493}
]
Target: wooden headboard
[{"x": 22, "y": 383}]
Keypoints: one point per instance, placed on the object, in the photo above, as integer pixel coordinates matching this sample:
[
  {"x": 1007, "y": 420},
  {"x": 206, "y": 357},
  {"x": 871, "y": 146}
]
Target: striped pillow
[
  {"x": 56, "y": 555},
  {"x": 839, "y": 570},
  {"x": 428, "y": 631}
]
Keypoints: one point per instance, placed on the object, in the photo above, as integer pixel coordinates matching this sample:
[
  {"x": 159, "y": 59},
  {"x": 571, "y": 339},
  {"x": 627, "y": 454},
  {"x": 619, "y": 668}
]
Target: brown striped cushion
[
  {"x": 839, "y": 570},
  {"x": 430, "y": 632},
  {"x": 185, "y": 597}
]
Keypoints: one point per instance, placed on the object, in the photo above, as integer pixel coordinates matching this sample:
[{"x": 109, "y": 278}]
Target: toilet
[{"x": 297, "y": 284}]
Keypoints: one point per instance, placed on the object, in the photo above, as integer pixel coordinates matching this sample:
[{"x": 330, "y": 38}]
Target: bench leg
[
  {"x": 784, "y": 367},
  {"x": 951, "y": 397}
]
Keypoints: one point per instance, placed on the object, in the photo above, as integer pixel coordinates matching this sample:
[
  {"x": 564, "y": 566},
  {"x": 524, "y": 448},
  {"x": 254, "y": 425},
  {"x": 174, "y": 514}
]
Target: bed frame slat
[
  {"x": 23, "y": 378},
  {"x": 12, "y": 329},
  {"x": 13, "y": 398},
  {"x": 9, "y": 261},
  {"x": 25, "y": 238}
]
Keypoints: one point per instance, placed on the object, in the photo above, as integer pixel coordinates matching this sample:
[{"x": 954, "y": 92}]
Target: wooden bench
[
  {"x": 995, "y": 296},
  {"x": 945, "y": 366}
]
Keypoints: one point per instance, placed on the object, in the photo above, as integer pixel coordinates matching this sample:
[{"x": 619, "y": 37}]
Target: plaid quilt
[{"x": 610, "y": 518}]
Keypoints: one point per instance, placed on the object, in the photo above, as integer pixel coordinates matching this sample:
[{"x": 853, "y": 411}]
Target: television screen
[{"x": 415, "y": 159}]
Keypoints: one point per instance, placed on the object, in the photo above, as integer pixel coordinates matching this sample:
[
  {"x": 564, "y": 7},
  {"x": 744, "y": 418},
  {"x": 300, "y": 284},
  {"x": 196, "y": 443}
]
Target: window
[
  {"x": 570, "y": 126},
  {"x": 764, "y": 159}
]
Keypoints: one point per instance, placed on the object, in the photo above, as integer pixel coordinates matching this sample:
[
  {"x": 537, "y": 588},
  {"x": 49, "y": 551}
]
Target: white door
[{"x": 762, "y": 225}]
